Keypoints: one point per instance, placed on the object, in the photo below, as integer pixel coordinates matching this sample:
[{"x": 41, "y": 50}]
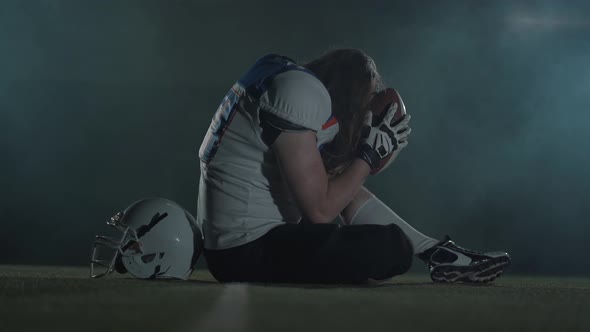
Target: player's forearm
[{"x": 341, "y": 190}]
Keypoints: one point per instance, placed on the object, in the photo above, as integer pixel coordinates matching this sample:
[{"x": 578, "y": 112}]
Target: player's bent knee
[{"x": 402, "y": 250}]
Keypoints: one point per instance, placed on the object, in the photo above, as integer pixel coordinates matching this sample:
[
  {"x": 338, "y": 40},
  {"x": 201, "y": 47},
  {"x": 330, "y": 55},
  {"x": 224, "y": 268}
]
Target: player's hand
[
  {"x": 382, "y": 139},
  {"x": 399, "y": 129}
]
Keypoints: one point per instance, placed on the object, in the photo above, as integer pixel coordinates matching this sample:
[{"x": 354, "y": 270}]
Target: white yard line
[{"x": 229, "y": 313}]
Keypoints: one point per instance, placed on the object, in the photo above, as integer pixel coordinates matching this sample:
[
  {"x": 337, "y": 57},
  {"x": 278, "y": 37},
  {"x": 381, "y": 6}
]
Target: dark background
[{"x": 105, "y": 102}]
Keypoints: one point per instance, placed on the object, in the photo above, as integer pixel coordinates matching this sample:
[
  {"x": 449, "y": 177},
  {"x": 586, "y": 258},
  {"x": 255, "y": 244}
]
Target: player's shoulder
[
  {"x": 299, "y": 97},
  {"x": 300, "y": 81}
]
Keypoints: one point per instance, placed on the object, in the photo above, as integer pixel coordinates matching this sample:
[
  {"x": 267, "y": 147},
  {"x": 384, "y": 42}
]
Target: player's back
[{"x": 241, "y": 192}]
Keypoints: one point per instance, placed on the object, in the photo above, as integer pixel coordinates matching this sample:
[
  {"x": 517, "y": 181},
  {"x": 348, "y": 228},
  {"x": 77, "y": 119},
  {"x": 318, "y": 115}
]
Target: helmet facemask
[{"x": 107, "y": 250}]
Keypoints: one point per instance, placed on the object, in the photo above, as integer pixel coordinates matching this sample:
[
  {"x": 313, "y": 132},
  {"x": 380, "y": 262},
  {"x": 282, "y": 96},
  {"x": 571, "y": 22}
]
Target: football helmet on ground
[{"x": 159, "y": 239}]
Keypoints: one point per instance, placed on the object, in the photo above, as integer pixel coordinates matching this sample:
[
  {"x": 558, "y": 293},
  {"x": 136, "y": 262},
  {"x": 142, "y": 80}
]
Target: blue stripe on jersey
[
  {"x": 258, "y": 78},
  {"x": 255, "y": 82},
  {"x": 221, "y": 120}
]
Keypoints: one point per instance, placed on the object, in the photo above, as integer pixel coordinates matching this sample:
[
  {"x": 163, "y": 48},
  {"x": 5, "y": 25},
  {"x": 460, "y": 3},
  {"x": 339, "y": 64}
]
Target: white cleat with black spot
[{"x": 450, "y": 263}]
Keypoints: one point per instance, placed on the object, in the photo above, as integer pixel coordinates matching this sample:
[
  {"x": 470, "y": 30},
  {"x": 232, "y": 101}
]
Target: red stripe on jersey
[{"x": 331, "y": 121}]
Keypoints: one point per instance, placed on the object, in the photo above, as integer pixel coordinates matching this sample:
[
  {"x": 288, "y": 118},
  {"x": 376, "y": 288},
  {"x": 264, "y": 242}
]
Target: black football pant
[{"x": 316, "y": 253}]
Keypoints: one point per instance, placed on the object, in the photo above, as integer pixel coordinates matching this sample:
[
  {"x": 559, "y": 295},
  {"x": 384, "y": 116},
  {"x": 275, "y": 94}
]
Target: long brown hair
[{"x": 348, "y": 75}]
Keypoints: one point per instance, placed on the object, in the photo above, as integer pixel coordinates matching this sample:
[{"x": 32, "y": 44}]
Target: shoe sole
[{"x": 484, "y": 272}]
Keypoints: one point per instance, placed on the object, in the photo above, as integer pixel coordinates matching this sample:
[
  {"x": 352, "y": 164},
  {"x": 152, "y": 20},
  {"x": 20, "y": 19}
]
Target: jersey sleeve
[{"x": 299, "y": 98}]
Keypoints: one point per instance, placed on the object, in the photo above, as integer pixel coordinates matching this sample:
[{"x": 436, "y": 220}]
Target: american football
[
  {"x": 381, "y": 103},
  {"x": 379, "y": 106}
]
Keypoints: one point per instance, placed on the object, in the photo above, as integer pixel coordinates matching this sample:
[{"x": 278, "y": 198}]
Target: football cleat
[{"x": 448, "y": 262}]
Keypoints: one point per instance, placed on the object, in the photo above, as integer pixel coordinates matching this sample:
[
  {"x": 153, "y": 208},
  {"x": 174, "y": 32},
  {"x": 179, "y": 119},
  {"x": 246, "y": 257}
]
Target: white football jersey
[{"x": 242, "y": 194}]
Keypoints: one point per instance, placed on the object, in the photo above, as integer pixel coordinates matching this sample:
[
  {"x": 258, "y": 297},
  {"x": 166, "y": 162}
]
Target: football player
[{"x": 287, "y": 152}]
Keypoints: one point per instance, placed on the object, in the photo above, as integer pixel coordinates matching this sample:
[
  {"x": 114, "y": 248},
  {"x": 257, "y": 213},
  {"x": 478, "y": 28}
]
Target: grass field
[{"x": 65, "y": 299}]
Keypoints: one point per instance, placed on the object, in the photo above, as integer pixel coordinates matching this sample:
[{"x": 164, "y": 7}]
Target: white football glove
[{"x": 384, "y": 138}]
